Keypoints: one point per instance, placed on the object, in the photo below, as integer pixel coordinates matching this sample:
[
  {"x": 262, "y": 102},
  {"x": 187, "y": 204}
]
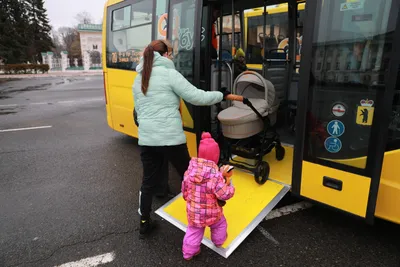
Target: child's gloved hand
[
  {"x": 226, "y": 173},
  {"x": 221, "y": 203}
]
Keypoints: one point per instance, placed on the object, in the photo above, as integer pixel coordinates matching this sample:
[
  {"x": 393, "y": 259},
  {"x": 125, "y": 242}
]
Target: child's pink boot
[{"x": 189, "y": 258}]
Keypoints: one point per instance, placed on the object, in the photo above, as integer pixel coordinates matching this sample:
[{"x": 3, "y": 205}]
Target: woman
[{"x": 157, "y": 90}]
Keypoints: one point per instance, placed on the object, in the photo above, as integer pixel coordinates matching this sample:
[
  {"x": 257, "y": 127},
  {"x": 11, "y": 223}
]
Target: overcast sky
[{"x": 62, "y": 12}]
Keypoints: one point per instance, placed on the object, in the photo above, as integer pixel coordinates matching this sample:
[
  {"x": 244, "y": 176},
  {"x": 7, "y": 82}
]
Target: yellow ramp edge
[{"x": 249, "y": 206}]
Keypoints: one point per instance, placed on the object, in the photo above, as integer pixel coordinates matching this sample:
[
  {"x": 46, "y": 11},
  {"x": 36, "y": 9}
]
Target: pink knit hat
[{"x": 208, "y": 148}]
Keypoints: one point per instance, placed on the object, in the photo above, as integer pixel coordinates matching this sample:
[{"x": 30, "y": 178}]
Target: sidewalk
[{"x": 53, "y": 74}]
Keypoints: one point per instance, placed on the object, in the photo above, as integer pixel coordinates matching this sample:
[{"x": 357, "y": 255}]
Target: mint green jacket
[{"x": 160, "y": 122}]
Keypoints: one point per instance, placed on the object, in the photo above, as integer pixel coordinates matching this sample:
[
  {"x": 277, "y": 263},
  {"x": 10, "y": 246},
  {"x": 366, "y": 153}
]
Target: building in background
[{"x": 91, "y": 42}]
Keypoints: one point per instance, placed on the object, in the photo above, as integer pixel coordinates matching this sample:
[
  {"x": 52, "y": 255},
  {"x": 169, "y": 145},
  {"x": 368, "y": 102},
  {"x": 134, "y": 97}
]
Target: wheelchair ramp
[{"x": 249, "y": 206}]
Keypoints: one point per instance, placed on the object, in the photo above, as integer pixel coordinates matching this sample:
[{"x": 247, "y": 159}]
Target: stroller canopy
[
  {"x": 253, "y": 85},
  {"x": 240, "y": 121}
]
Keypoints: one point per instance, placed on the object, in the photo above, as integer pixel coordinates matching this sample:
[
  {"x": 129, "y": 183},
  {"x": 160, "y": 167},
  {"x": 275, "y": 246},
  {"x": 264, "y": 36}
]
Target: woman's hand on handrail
[
  {"x": 229, "y": 96},
  {"x": 225, "y": 91}
]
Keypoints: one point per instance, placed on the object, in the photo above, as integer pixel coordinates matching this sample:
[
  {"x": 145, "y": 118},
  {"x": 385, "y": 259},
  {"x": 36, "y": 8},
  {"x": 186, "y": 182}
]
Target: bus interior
[{"x": 264, "y": 34}]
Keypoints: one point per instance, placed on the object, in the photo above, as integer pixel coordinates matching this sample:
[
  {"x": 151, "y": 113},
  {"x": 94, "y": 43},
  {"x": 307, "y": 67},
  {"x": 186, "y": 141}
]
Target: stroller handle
[{"x": 235, "y": 97}]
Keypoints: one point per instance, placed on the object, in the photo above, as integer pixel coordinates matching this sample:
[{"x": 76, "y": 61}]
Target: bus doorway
[{"x": 273, "y": 44}]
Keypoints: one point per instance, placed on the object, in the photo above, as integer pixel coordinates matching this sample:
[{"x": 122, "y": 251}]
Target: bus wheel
[
  {"x": 261, "y": 173},
  {"x": 280, "y": 152}
]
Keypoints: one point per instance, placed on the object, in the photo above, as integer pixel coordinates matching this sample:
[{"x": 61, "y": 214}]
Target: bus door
[
  {"x": 184, "y": 27},
  {"x": 347, "y": 79},
  {"x": 228, "y": 41}
]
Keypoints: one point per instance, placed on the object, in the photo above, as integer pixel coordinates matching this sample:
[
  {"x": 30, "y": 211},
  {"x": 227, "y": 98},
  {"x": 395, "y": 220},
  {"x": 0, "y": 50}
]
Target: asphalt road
[{"x": 69, "y": 192}]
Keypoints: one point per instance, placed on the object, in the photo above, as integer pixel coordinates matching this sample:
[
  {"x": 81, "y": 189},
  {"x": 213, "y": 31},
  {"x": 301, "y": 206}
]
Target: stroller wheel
[
  {"x": 280, "y": 152},
  {"x": 262, "y": 172}
]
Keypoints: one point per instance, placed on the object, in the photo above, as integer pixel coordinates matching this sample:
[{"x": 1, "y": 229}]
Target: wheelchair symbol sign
[
  {"x": 335, "y": 128},
  {"x": 333, "y": 144}
]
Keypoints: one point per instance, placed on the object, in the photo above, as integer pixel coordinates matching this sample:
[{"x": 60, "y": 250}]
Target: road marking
[
  {"x": 11, "y": 105},
  {"x": 57, "y": 102},
  {"x": 92, "y": 261},
  {"x": 286, "y": 210},
  {"x": 267, "y": 235},
  {"x": 81, "y": 100},
  {"x": 24, "y": 129}
]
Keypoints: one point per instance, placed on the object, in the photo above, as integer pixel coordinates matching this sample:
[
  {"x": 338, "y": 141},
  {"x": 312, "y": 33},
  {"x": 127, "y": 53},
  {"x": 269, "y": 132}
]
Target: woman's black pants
[{"x": 153, "y": 160}]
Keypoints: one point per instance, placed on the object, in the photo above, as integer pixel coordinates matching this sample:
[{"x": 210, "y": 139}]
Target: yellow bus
[{"x": 334, "y": 67}]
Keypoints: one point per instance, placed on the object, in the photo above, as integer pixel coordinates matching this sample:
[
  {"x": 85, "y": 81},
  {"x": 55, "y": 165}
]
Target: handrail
[{"x": 233, "y": 97}]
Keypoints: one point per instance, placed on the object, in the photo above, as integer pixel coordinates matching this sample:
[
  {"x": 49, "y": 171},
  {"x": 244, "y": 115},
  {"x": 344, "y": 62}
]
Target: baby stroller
[{"x": 248, "y": 125}]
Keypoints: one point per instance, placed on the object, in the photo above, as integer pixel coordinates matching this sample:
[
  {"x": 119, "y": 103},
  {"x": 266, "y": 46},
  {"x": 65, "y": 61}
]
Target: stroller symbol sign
[
  {"x": 333, "y": 144},
  {"x": 335, "y": 128}
]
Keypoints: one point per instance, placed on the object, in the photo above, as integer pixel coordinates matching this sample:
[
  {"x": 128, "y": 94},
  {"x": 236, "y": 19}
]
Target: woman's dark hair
[{"x": 148, "y": 57}]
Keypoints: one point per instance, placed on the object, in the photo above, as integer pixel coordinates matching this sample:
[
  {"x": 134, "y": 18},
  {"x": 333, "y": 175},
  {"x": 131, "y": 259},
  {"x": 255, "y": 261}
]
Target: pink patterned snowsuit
[{"x": 203, "y": 184}]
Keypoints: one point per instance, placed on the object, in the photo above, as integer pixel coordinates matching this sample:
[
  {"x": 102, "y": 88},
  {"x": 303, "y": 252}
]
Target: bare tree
[
  {"x": 84, "y": 17},
  {"x": 58, "y": 44},
  {"x": 68, "y": 36}
]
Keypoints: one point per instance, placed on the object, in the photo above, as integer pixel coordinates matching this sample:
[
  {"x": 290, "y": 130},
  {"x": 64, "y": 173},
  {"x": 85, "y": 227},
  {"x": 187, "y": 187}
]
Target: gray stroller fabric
[{"x": 239, "y": 121}]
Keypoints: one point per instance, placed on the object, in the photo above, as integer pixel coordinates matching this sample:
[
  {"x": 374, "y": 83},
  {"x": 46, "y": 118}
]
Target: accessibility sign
[
  {"x": 333, "y": 144},
  {"x": 335, "y": 128},
  {"x": 352, "y": 6}
]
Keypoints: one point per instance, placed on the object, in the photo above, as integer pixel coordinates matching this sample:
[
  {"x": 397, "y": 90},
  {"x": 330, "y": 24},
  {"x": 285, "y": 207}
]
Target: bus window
[
  {"x": 182, "y": 35},
  {"x": 129, "y": 34},
  {"x": 181, "y": 29},
  {"x": 299, "y": 33},
  {"x": 350, "y": 59},
  {"x": 393, "y": 141},
  {"x": 300, "y": 15},
  {"x": 227, "y": 33},
  {"x": 121, "y": 18},
  {"x": 276, "y": 32},
  {"x": 160, "y": 28}
]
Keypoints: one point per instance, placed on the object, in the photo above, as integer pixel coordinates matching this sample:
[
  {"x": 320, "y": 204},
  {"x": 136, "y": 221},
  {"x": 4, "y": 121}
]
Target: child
[
  {"x": 240, "y": 62},
  {"x": 202, "y": 187}
]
